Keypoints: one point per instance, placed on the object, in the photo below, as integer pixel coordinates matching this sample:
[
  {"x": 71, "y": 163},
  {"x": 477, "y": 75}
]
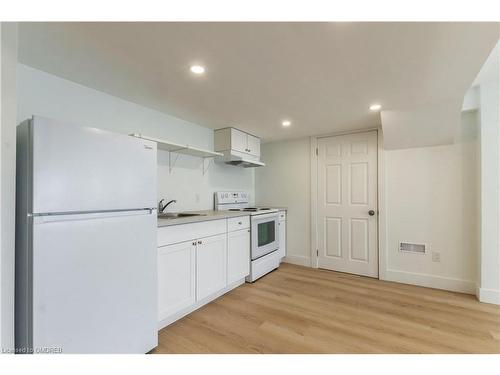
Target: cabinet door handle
[{"x": 239, "y": 222}]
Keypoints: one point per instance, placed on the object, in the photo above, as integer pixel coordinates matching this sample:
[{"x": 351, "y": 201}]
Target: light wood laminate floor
[{"x": 303, "y": 310}]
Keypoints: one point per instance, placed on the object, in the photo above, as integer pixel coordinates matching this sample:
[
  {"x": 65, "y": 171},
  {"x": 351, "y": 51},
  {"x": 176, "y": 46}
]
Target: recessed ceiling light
[
  {"x": 197, "y": 69},
  {"x": 375, "y": 107},
  {"x": 286, "y": 123}
]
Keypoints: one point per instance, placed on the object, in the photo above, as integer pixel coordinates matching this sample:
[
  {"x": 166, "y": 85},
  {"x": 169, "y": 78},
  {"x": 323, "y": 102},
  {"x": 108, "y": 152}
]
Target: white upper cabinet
[
  {"x": 237, "y": 141},
  {"x": 253, "y": 144}
]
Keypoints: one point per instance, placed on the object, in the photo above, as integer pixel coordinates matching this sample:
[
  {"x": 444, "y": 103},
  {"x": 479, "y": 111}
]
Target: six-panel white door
[{"x": 347, "y": 203}]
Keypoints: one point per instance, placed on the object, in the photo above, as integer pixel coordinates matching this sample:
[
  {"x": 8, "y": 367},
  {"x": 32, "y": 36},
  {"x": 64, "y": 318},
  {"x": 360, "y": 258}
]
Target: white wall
[
  {"x": 488, "y": 83},
  {"x": 285, "y": 182},
  {"x": 46, "y": 95},
  {"x": 432, "y": 197},
  {"x": 8, "y": 63}
]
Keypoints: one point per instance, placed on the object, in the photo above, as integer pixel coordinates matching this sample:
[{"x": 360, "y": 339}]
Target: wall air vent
[{"x": 408, "y": 247}]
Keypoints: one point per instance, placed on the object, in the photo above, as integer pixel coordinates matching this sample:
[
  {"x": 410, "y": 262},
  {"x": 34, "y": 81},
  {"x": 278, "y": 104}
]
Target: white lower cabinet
[
  {"x": 176, "y": 277},
  {"x": 282, "y": 240},
  {"x": 192, "y": 273},
  {"x": 211, "y": 265},
  {"x": 238, "y": 255}
]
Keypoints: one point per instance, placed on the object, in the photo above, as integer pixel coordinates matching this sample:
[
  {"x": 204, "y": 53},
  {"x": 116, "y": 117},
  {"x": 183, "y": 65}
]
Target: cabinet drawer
[
  {"x": 282, "y": 215},
  {"x": 237, "y": 223},
  {"x": 185, "y": 232}
]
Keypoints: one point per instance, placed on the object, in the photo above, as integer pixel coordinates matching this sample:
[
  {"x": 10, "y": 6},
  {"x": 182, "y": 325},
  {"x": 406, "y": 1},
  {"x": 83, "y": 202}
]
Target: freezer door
[
  {"x": 95, "y": 283},
  {"x": 79, "y": 169}
]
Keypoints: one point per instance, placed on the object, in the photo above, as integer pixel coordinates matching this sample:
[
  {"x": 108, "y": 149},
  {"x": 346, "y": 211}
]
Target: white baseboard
[
  {"x": 431, "y": 281},
  {"x": 299, "y": 260},
  {"x": 489, "y": 296},
  {"x": 188, "y": 310}
]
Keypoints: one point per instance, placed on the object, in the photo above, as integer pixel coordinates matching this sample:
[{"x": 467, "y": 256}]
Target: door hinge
[{"x": 316, "y": 151}]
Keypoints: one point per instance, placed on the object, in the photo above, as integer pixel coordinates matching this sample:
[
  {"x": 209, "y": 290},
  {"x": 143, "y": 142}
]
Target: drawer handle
[
  {"x": 199, "y": 242},
  {"x": 239, "y": 223}
]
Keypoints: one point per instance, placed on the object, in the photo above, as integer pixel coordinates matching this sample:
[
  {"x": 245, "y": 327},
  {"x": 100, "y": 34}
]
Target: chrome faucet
[{"x": 162, "y": 207}]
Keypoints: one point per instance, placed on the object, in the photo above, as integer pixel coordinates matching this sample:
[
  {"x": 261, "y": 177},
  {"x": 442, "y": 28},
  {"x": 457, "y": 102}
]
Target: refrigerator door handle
[{"x": 50, "y": 218}]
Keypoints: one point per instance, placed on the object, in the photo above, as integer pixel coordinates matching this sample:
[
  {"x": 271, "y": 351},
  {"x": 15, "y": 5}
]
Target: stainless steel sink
[{"x": 175, "y": 215}]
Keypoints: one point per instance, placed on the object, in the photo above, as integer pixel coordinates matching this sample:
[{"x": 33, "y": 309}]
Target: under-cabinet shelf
[
  {"x": 180, "y": 148},
  {"x": 177, "y": 148}
]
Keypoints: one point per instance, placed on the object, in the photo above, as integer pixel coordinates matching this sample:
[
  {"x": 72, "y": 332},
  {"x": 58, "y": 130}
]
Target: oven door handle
[{"x": 265, "y": 216}]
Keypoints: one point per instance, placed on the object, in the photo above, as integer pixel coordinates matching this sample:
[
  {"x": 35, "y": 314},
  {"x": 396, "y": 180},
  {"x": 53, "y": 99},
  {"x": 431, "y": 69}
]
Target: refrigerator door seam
[
  {"x": 90, "y": 215},
  {"x": 150, "y": 209}
]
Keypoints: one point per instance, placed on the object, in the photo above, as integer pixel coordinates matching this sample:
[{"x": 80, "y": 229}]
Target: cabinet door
[
  {"x": 176, "y": 277},
  {"x": 238, "y": 255},
  {"x": 253, "y": 145},
  {"x": 282, "y": 248},
  {"x": 239, "y": 141},
  {"x": 211, "y": 265}
]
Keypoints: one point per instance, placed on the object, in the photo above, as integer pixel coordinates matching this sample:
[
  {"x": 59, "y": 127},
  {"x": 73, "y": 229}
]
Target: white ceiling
[{"x": 321, "y": 76}]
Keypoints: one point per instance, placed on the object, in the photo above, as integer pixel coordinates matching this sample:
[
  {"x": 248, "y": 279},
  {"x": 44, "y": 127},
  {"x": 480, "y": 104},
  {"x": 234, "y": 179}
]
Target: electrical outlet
[{"x": 436, "y": 257}]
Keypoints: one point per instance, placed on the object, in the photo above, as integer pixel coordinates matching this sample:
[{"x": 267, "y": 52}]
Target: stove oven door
[{"x": 265, "y": 235}]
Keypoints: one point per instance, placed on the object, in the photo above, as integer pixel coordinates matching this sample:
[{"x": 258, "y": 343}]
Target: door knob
[{"x": 371, "y": 212}]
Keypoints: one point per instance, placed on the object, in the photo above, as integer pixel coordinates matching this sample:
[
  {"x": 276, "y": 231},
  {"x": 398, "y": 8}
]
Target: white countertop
[{"x": 207, "y": 215}]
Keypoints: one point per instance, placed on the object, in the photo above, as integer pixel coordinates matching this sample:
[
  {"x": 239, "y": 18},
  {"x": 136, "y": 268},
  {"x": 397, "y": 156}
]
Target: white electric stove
[{"x": 264, "y": 231}]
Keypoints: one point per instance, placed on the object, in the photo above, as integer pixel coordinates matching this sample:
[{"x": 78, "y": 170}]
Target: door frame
[{"x": 381, "y": 197}]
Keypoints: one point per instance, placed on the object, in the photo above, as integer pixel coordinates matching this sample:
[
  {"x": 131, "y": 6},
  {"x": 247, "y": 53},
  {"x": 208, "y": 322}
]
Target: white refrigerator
[{"x": 85, "y": 240}]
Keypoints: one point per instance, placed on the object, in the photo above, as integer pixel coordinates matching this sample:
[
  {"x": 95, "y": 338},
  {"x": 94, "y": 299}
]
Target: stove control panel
[{"x": 231, "y": 197}]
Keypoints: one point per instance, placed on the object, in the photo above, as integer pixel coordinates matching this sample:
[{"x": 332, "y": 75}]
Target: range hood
[
  {"x": 238, "y": 148},
  {"x": 235, "y": 158}
]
